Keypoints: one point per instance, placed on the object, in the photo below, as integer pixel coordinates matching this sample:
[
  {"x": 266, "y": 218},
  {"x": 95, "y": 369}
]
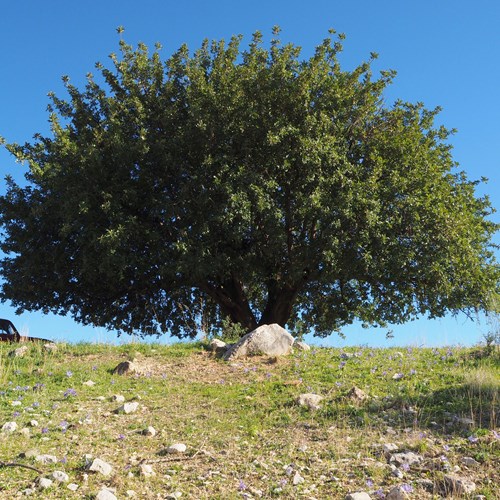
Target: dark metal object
[{"x": 9, "y": 333}]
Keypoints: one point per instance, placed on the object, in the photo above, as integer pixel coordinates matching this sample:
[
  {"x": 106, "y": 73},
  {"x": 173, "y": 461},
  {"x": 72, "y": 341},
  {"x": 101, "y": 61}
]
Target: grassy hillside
[{"x": 245, "y": 434}]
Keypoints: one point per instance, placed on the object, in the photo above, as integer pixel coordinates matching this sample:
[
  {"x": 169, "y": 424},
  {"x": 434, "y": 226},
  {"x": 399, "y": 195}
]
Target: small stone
[
  {"x": 397, "y": 376},
  {"x": 425, "y": 484},
  {"x": 131, "y": 493},
  {"x": 128, "y": 408},
  {"x": 218, "y": 346},
  {"x": 174, "y": 495},
  {"x": 359, "y": 495},
  {"x": 19, "y": 352},
  {"x": 105, "y": 494},
  {"x": 44, "y": 483},
  {"x": 176, "y": 448},
  {"x": 128, "y": 367},
  {"x": 89, "y": 383},
  {"x": 50, "y": 347},
  {"x": 147, "y": 470},
  {"x": 457, "y": 485},
  {"x": 255, "y": 492},
  {"x": 408, "y": 458},
  {"x": 100, "y": 466},
  {"x": 310, "y": 400},
  {"x": 397, "y": 493},
  {"x": 301, "y": 346},
  {"x": 357, "y": 395},
  {"x": 9, "y": 427},
  {"x": 72, "y": 486},
  {"x": 150, "y": 431},
  {"x": 60, "y": 476},
  {"x": 297, "y": 479},
  {"x": 28, "y": 492},
  {"x": 16, "y": 403},
  {"x": 389, "y": 448},
  {"x": 470, "y": 462},
  {"x": 465, "y": 421},
  {"x": 34, "y": 423},
  {"x": 25, "y": 432},
  {"x": 46, "y": 459}
]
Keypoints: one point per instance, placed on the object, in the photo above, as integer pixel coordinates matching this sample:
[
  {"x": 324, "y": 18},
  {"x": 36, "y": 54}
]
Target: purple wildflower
[
  {"x": 121, "y": 437},
  {"x": 473, "y": 439},
  {"x": 407, "y": 488},
  {"x": 380, "y": 493},
  {"x": 44, "y": 430},
  {"x": 70, "y": 392},
  {"x": 69, "y": 374},
  {"x": 405, "y": 466},
  {"x": 16, "y": 414},
  {"x": 242, "y": 486},
  {"x": 496, "y": 434},
  {"x": 369, "y": 483},
  {"x": 342, "y": 364}
]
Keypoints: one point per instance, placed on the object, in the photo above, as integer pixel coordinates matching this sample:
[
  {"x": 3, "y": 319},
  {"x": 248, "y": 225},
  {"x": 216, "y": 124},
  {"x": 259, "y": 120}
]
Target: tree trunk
[{"x": 279, "y": 304}]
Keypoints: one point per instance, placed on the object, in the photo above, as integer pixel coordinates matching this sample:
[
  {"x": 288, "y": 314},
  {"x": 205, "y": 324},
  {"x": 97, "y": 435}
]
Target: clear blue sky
[{"x": 446, "y": 53}]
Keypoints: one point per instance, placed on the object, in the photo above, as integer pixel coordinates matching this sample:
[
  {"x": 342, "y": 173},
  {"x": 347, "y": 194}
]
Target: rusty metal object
[{"x": 11, "y": 334}]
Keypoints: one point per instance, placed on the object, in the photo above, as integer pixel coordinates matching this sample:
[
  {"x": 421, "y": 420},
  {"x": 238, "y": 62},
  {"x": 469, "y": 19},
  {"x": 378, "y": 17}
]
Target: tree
[{"x": 252, "y": 186}]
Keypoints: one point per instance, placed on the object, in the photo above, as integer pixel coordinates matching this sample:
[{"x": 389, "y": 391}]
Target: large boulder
[{"x": 270, "y": 340}]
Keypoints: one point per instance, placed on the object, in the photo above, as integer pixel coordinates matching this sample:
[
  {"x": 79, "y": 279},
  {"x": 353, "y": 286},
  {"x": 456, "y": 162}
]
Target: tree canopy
[{"x": 252, "y": 185}]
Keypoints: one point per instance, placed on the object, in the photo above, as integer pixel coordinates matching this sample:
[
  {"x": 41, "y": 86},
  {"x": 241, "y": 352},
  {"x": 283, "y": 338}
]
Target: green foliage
[{"x": 251, "y": 185}]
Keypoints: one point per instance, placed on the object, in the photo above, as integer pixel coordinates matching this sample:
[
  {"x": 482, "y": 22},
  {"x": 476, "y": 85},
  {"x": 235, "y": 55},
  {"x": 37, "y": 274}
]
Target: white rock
[
  {"x": 100, "y": 466},
  {"x": 457, "y": 485},
  {"x": 25, "y": 432},
  {"x": 177, "y": 448},
  {"x": 301, "y": 346},
  {"x": 46, "y": 459},
  {"x": 89, "y": 383},
  {"x": 297, "y": 479},
  {"x": 105, "y": 494},
  {"x": 50, "y": 347},
  {"x": 397, "y": 493},
  {"x": 34, "y": 423},
  {"x": 310, "y": 400},
  {"x": 118, "y": 398},
  {"x": 270, "y": 340},
  {"x": 397, "y": 376},
  {"x": 72, "y": 486},
  {"x": 359, "y": 495},
  {"x": 128, "y": 408},
  {"x": 147, "y": 470},
  {"x": 9, "y": 427},
  {"x": 409, "y": 458},
  {"x": 44, "y": 483},
  {"x": 174, "y": 495},
  {"x": 470, "y": 462},
  {"x": 16, "y": 403},
  {"x": 131, "y": 493},
  {"x": 150, "y": 431},
  {"x": 390, "y": 448},
  {"x": 19, "y": 352},
  {"x": 60, "y": 476}
]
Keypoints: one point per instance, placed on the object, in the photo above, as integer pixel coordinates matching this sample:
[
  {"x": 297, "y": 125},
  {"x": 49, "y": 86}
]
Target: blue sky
[{"x": 446, "y": 53}]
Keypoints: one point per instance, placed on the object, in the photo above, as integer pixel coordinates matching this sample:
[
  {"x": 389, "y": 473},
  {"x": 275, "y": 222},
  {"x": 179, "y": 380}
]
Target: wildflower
[
  {"x": 69, "y": 392},
  {"x": 94, "y": 368},
  {"x": 413, "y": 372},
  {"x": 446, "y": 447},
  {"x": 405, "y": 466},
  {"x": 283, "y": 482},
  {"x": 268, "y": 375},
  {"x": 16, "y": 414},
  {"x": 369, "y": 483},
  {"x": 380, "y": 493},
  {"x": 242, "y": 486},
  {"x": 36, "y": 404},
  {"x": 407, "y": 488},
  {"x": 473, "y": 439},
  {"x": 496, "y": 434},
  {"x": 121, "y": 437},
  {"x": 63, "y": 460},
  {"x": 44, "y": 430},
  {"x": 342, "y": 364},
  {"x": 69, "y": 374}
]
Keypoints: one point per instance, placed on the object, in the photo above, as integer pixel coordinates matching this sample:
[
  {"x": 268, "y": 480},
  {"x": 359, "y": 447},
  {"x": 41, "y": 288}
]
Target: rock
[
  {"x": 128, "y": 368},
  {"x": 470, "y": 462},
  {"x": 397, "y": 493},
  {"x": 150, "y": 431},
  {"x": 128, "y": 408},
  {"x": 146, "y": 470},
  {"x": 456, "y": 485},
  {"x": 408, "y": 458},
  {"x": 46, "y": 459},
  {"x": 19, "y": 352},
  {"x": 50, "y": 347},
  {"x": 9, "y": 427},
  {"x": 310, "y": 400},
  {"x": 60, "y": 476},
  {"x": 105, "y": 494},
  {"x": 218, "y": 347},
  {"x": 389, "y": 448},
  {"x": 397, "y": 376},
  {"x": 173, "y": 496},
  {"x": 425, "y": 484},
  {"x": 301, "y": 346},
  {"x": 357, "y": 395},
  {"x": 297, "y": 479},
  {"x": 176, "y": 448},
  {"x": 34, "y": 423},
  {"x": 270, "y": 340},
  {"x": 131, "y": 493},
  {"x": 100, "y": 466},
  {"x": 44, "y": 483},
  {"x": 465, "y": 421},
  {"x": 118, "y": 398},
  {"x": 72, "y": 486},
  {"x": 359, "y": 495},
  {"x": 89, "y": 383}
]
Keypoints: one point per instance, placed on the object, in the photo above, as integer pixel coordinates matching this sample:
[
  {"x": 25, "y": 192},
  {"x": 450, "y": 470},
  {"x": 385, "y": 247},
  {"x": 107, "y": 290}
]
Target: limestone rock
[
  {"x": 150, "y": 431},
  {"x": 128, "y": 368},
  {"x": 301, "y": 346},
  {"x": 105, "y": 494},
  {"x": 44, "y": 483},
  {"x": 50, "y": 347},
  {"x": 218, "y": 346},
  {"x": 9, "y": 427},
  {"x": 470, "y": 462},
  {"x": 19, "y": 352},
  {"x": 176, "y": 448},
  {"x": 270, "y": 340},
  {"x": 100, "y": 466},
  {"x": 310, "y": 400},
  {"x": 72, "y": 486},
  {"x": 46, "y": 459},
  {"x": 147, "y": 470},
  {"x": 408, "y": 458},
  {"x": 118, "y": 398},
  {"x": 357, "y": 395},
  {"x": 127, "y": 408},
  {"x": 456, "y": 485},
  {"x": 359, "y": 495},
  {"x": 60, "y": 476},
  {"x": 397, "y": 493}
]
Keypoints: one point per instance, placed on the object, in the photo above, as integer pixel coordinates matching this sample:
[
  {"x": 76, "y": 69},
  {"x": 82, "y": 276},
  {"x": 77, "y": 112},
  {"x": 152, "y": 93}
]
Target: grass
[{"x": 244, "y": 432}]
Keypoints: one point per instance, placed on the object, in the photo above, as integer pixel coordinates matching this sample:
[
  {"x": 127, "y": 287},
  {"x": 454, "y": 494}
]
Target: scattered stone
[
  {"x": 255, "y": 492},
  {"x": 456, "y": 485},
  {"x": 28, "y": 492},
  {"x": 270, "y": 340},
  {"x": 128, "y": 408},
  {"x": 34, "y": 423},
  {"x": 397, "y": 493},
  {"x": 408, "y": 458},
  {"x": 176, "y": 448},
  {"x": 9, "y": 427},
  {"x": 426, "y": 484},
  {"x": 174, "y": 495},
  {"x": 357, "y": 395},
  {"x": 72, "y": 486},
  {"x": 60, "y": 476},
  {"x": 89, "y": 383},
  {"x": 100, "y": 466},
  {"x": 301, "y": 346},
  {"x": 146, "y": 470},
  {"x": 131, "y": 493},
  {"x": 150, "y": 431},
  {"x": 389, "y": 448},
  {"x": 346, "y": 355},
  {"x": 106, "y": 494},
  {"x": 16, "y": 403},
  {"x": 218, "y": 347},
  {"x": 50, "y": 347},
  {"x": 310, "y": 400},
  {"x": 44, "y": 483},
  {"x": 19, "y": 352},
  {"x": 118, "y": 398},
  {"x": 128, "y": 368},
  {"x": 359, "y": 495},
  {"x": 470, "y": 462},
  {"x": 46, "y": 459},
  {"x": 297, "y": 479},
  {"x": 397, "y": 376},
  {"x": 465, "y": 421}
]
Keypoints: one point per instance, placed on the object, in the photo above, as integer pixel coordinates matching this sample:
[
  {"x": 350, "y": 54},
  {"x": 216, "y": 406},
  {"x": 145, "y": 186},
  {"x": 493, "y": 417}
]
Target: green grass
[{"x": 241, "y": 424}]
